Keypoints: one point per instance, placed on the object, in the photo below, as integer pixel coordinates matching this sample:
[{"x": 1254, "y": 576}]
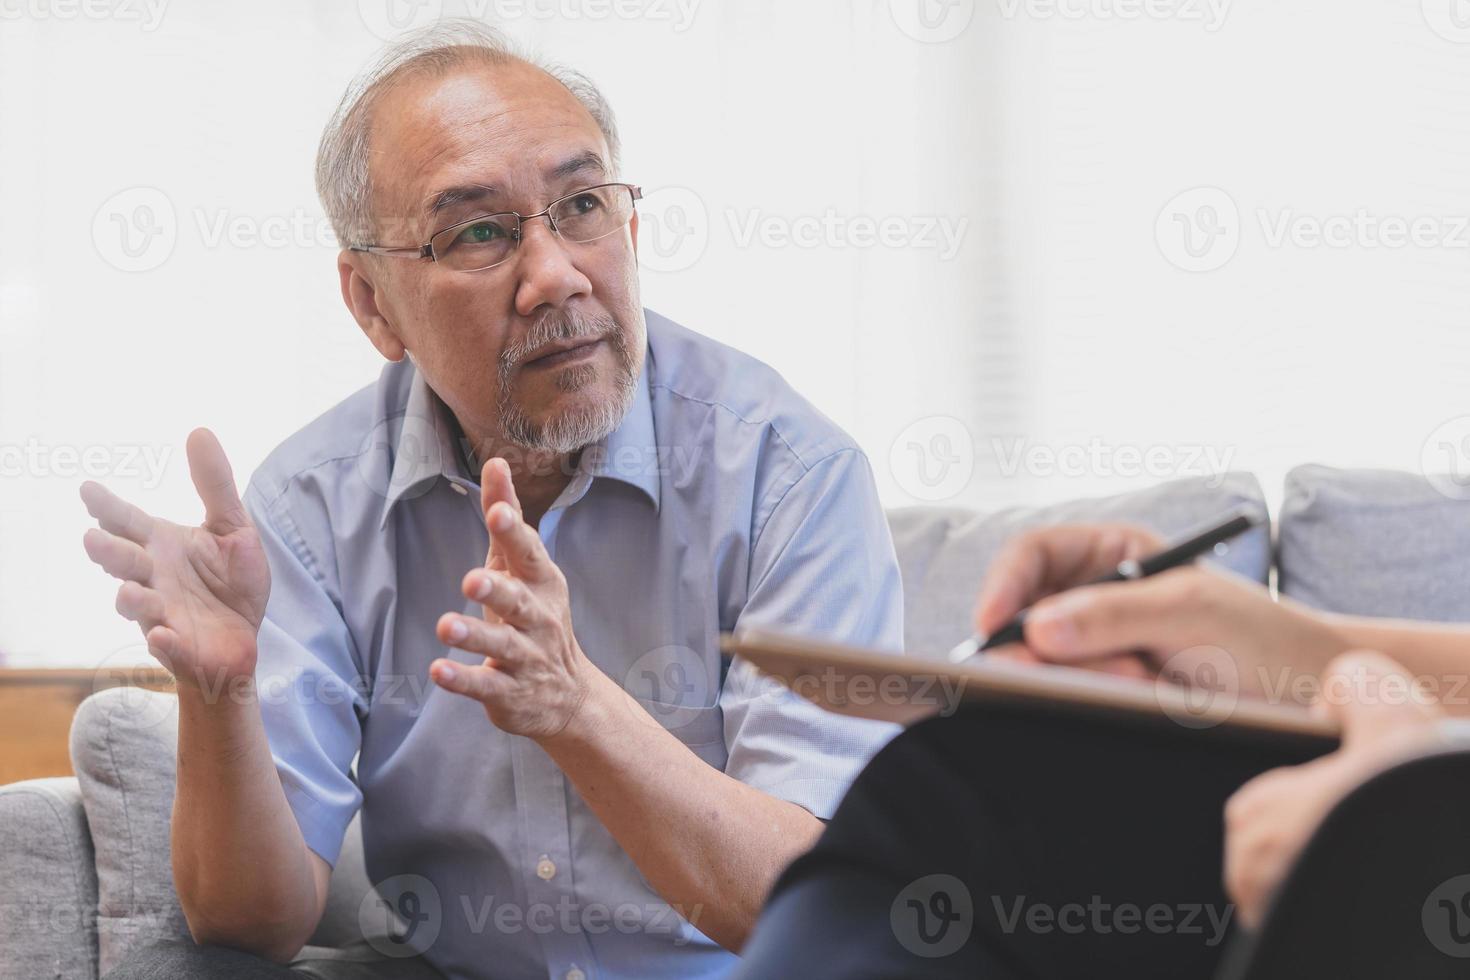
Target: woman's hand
[
  {"x": 1198, "y": 621},
  {"x": 1385, "y": 718}
]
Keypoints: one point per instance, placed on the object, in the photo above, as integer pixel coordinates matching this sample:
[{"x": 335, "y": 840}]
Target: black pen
[{"x": 1128, "y": 570}]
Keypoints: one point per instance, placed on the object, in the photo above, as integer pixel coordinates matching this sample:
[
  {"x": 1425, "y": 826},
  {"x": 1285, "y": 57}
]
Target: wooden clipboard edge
[{"x": 790, "y": 658}]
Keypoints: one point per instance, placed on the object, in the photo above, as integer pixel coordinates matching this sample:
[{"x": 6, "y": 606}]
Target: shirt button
[
  {"x": 575, "y": 974},
  {"x": 459, "y": 489},
  {"x": 546, "y": 870}
]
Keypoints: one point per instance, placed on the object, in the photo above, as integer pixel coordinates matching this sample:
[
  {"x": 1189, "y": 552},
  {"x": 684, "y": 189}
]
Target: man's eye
[
  {"x": 480, "y": 233},
  {"x": 586, "y": 203}
]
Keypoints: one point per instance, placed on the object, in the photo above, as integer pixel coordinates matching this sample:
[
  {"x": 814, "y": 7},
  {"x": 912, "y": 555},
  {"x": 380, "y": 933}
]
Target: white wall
[{"x": 1051, "y": 138}]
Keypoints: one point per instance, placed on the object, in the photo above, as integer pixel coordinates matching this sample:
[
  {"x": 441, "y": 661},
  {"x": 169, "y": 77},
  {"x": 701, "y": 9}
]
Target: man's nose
[{"x": 548, "y": 274}]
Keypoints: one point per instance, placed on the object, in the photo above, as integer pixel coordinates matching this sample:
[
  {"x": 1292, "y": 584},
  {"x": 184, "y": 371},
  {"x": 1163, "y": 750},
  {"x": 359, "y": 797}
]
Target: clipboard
[{"x": 905, "y": 689}]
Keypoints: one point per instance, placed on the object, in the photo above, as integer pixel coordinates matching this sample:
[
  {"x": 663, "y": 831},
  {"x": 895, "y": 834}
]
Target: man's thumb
[{"x": 215, "y": 483}]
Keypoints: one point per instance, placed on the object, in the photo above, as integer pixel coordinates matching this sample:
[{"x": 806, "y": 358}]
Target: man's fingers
[
  {"x": 515, "y": 540},
  {"x": 164, "y": 644},
  {"x": 114, "y": 514},
  {"x": 474, "y": 635},
  {"x": 142, "y": 605},
  {"x": 503, "y": 597},
  {"x": 1150, "y": 614},
  {"x": 118, "y": 557},
  {"x": 482, "y": 682},
  {"x": 496, "y": 486},
  {"x": 215, "y": 483}
]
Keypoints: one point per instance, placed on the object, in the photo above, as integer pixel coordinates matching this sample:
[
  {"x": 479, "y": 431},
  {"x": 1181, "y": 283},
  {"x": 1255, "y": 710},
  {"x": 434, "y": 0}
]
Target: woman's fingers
[
  {"x": 1168, "y": 611},
  {"x": 118, "y": 556},
  {"x": 1041, "y": 561},
  {"x": 1120, "y": 664},
  {"x": 1376, "y": 701}
]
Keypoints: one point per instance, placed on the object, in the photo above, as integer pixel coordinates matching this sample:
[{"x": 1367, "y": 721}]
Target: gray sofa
[{"x": 85, "y": 870}]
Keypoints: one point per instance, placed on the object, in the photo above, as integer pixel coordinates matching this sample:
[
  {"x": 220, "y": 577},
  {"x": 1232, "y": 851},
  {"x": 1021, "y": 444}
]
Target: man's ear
[
  {"x": 360, "y": 293},
  {"x": 633, "y": 227}
]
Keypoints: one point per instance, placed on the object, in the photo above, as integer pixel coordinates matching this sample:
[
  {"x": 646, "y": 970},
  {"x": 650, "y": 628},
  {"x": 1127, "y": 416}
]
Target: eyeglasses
[{"x": 487, "y": 241}]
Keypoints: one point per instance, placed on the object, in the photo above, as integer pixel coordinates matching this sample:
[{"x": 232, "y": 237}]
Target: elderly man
[{"x": 481, "y": 598}]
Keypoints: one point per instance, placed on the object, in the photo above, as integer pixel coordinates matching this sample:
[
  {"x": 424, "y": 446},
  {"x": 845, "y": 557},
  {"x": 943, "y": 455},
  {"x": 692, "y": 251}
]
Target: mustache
[{"x": 553, "y": 326}]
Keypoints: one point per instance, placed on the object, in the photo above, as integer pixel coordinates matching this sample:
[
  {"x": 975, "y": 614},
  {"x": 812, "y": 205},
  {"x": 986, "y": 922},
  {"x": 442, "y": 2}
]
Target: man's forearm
[
  {"x": 709, "y": 844},
  {"x": 241, "y": 867}
]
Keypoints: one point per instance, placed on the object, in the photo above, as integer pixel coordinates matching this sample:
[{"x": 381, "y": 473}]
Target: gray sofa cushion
[
  {"x": 123, "y": 748},
  {"x": 1374, "y": 543},
  {"x": 943, "y": 552},
  {"x": 49, "y": 888},
  {"x": 347, "y": 896}
]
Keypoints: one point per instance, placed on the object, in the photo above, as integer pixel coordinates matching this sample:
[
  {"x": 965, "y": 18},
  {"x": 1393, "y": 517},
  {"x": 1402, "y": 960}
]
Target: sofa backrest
[
  {"x": 944, "y": 552},
  {"x": 1376, "y": 543}
]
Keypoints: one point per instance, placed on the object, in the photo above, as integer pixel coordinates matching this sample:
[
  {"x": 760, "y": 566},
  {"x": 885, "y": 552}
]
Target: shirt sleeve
[
  {"x": 310, "y": 689},
  {"x": 822, "y": 565}
]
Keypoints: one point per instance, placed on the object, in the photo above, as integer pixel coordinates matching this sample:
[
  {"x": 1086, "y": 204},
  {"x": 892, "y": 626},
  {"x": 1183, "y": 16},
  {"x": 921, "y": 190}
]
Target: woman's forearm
[{"x": 1438, "y": 654}]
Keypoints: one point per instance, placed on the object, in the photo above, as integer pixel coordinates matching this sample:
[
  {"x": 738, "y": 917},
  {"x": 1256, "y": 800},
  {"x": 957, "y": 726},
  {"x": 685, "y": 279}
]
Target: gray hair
[{"x": 343, "y": 178}]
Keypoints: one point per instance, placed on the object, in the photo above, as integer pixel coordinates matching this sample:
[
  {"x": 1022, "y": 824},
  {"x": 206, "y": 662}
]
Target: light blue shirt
[{"x": 722, "y": 500}]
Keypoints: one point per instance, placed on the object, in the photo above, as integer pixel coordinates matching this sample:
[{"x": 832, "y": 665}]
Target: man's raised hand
[
  {"x": 534, "y": 678},
  {"x": 197, "y": 593}
]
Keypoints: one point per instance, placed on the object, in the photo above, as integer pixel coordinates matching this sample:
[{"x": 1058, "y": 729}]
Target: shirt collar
[
  {"x": 424, "y": 447},
  {"x": 631, "y": 453},
  {"x": 427, "y": 446}
]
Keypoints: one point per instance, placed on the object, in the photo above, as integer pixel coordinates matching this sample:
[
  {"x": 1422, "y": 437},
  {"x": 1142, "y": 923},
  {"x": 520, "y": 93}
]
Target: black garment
[
  {"x": 176, "y": 959},
  {"x": 1382, "y": 890},
  {"x": 999, "y": 843}
]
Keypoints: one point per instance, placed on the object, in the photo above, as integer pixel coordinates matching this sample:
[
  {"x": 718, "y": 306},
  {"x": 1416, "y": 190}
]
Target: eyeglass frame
[{"x": 426, "y": 250}]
